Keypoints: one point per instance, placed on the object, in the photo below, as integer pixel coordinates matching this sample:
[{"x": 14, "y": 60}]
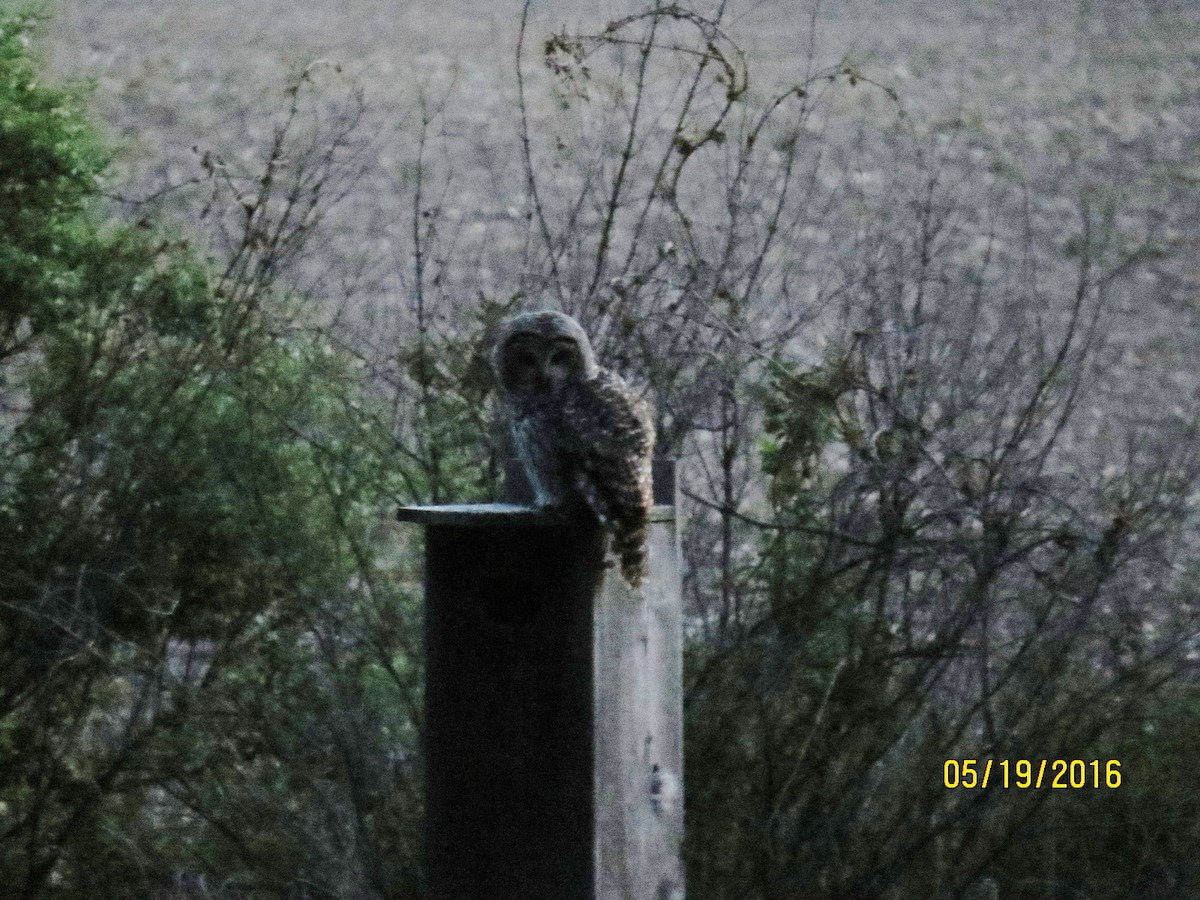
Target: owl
[{"x": 581, "y": 435}]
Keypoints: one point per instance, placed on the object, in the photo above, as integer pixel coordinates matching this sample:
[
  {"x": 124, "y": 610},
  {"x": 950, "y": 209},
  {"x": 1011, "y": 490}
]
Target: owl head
[{"x": 539, "y": 352}]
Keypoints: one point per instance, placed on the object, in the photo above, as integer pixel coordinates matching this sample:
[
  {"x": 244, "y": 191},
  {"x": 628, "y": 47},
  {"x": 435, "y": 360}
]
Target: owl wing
[{"x": 610, "y": 437}]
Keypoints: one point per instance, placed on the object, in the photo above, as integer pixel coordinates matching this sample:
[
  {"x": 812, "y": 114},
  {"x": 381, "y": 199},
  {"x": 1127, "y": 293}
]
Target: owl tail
[{"x": 629, "y": 545}]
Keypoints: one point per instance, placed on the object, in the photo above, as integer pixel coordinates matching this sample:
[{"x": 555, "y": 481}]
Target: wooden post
[{"x": 553, "y": 721}]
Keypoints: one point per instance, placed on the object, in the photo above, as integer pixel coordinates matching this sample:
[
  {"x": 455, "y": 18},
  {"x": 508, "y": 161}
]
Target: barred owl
[{"x": 579, "y": 432}]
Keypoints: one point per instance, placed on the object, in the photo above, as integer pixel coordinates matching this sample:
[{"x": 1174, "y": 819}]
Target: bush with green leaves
[{"x": 190, "y": 484}]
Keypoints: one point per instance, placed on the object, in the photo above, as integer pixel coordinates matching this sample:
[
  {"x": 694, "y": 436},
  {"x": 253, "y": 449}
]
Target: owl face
[{"x": 542, "y": 352}]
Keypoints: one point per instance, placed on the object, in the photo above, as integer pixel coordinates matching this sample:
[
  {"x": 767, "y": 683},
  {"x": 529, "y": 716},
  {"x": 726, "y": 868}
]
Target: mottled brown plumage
[{"x": 577, "y": 428}]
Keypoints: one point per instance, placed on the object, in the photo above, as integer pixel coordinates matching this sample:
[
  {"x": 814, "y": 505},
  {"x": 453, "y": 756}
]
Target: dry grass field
[{"x": 1053, "y": 96}]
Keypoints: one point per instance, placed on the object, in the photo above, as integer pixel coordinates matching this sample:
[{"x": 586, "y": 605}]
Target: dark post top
[
  {"x": 501, "y": 514},
  {"x": 520, "y": 511}
]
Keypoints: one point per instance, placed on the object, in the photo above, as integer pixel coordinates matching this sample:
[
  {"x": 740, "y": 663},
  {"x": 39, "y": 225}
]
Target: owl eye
[
  {"x": 524, "y": 359},
  {"x": 562, "y": 356}
]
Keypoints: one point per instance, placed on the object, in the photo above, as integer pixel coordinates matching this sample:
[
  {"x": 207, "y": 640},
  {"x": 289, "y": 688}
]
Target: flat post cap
[{"x": 492, "y": 514}]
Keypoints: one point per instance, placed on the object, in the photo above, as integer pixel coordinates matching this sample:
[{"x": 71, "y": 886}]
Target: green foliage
[
  {"x": 451, "y": 439},
  {"x": 800, "y": 417},
  {"x": 49, "y": 163},
  {"x": 799, "y": 684},
  {"x": 449, "y": 435},
  {"x": 183, "y": 465}
]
